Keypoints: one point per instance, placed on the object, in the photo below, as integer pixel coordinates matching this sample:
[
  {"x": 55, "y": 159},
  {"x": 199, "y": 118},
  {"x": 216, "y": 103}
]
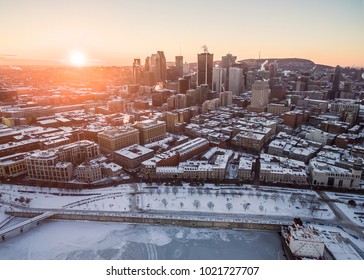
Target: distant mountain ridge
[{"x": 286, "y": 61}]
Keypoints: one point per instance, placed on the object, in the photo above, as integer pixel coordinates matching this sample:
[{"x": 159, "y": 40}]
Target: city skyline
[{"x": 116, "y": 32}]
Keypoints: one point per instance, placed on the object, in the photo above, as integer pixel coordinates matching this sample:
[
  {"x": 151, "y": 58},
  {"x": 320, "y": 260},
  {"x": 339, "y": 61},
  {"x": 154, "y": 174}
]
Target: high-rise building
[
  {"x": 137, "y": 74},
  {"x": 273, "y": 68},
  {"x": 202, "y": 93},
  {"x": 336, "y": 83},
  {"x": 147, "y": 64},
  {"x": 260, "y": 94},
  {"x": 236, "y": 80},
  {"x": 218, "y": 79},
  {"x": 250, "y": 78},
  {"x": 183, "y": 85},
  {"x": 159, "y": 66},
  {"x": 191, "y": 97},
  {"x": 205, "y": 63},
  {"x": 226, "y": 98},
  {"x": 179, "y": 66},
  {"x": 172, "y": 119},
  {"x": 227, "y": 61},
  {"x": 148, "y": 75}
]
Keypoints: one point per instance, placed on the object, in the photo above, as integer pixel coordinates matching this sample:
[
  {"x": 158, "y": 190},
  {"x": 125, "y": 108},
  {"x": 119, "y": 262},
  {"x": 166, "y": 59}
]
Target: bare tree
[
  {"x": 250, "y": 194},
  {"x": 181, "y": 203},
  {"x": 266, "y": 196},
  {"x": 261, "y": 208},
  {"x": 159, "y": 191},
  {"x": 229, "y": 206},
  {"x": 196, "y": 203},
  {"x": 208, "y": 192},
  {"x": 174, "y": 190},
  {"x": 246, "y": 206},
  {"x": 210, "y": 205},
  {"x": 274, "y": 196},
  {"x": 165, "y": 202},
  {"x": 276, "y": 208},
  {"x": 167, "y": 190},
  {"x": 258, "y": 194},
  {"x": 292, "y": 198},
  {"x": 199, "y": 191},
  {"x": 217, "y": 193}
]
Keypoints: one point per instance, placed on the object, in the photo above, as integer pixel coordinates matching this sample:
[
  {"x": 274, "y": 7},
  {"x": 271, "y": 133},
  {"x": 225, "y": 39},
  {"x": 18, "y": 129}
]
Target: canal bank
[{"x": 155, "y": 219}]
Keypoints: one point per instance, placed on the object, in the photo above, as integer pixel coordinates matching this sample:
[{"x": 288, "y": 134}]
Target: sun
[{"x": 77, "y": 58}]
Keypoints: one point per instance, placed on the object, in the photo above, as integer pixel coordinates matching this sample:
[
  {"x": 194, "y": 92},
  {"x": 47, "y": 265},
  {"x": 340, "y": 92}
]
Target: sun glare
[{"x": 77, "y": 58}]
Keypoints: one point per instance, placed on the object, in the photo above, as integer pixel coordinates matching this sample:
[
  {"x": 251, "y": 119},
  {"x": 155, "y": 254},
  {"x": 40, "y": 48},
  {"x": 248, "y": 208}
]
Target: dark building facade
[{"x": 205, "y": 63}]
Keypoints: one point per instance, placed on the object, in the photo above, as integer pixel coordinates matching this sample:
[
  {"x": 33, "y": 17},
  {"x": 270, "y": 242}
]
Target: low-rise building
[
  {"x": 249, "y": 140},
  {"x": 57, "y": 165},
  {"x": 283, "y": 170},
  {"x": 114, "y": 139},
  {"x": 324, "y": 174},
  {"x": 13, "y": 165},
  {"x": 245, "y": 168},
  {"x": 131, "y": 157},
  {"x": 88, "y": 172},
  {"x": 151, "y": 131}
]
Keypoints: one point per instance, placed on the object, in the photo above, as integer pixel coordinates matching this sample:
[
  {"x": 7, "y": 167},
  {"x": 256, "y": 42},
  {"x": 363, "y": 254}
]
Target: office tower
[
  {"x": 250, "y": 78},
  {"x": 191, "y": 97},
  {"x": 236, "y": 81},
  {"x": 226, "y": 98},
  {"x": 227, "y": 61},
  {"x": 148, "y": 75},
  {"x": 137, "y": 74},
  {"x": 260, "y": 94},
  {"x": 179, "y": 66},
  {"x": 218, "y": 79},
  {"x": 172, "y": 120},
  {"x": 205, "y": 63},
  {"x": 159, "y": 66},
  {"x": 202, "y": 93},
  {"x": 336, "y": 83},
  {"x": 147, "y": 64},
  {"x": 186, "y": 69},
  {"x": 273, "y": 68},
  {"x": 183, "y": 85}
]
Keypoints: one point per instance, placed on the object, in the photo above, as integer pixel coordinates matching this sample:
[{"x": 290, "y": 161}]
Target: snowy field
[
  {"x": 108, "y": 241},
  {"x": 60, "y": 198},
  {"x": 355, "y": 214},
  {"x": 247, "y": 200}
]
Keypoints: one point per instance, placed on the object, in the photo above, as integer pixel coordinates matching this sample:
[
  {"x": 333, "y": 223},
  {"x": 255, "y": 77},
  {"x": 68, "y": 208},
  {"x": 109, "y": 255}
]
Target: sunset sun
[{"x": 77, "y": 58}]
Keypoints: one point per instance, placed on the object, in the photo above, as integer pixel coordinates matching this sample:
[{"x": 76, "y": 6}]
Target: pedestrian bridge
[{"x": 20, "y": 226}]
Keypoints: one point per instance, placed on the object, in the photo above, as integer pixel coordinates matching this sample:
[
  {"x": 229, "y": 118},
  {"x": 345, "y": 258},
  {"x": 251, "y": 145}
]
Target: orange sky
[{"x": 114, "y": 32}]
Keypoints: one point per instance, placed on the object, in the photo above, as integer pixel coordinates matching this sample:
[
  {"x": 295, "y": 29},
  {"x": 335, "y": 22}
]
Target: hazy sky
[{"x": 113, "y": 32}]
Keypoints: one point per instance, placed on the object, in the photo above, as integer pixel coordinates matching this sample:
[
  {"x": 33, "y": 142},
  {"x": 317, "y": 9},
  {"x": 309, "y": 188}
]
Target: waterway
[{"x": 81, "y": 240}]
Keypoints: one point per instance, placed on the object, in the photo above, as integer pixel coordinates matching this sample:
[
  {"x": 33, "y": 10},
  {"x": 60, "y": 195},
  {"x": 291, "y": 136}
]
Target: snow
[
  {"x": 247, "y": 202},
  {"x": 355, "y": 214},
  {"x": 90, "y": 240},
  {"x": 261, "y": 201}
]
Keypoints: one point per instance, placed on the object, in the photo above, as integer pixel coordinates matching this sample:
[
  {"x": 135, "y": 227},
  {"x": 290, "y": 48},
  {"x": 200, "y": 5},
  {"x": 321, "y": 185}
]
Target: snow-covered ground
[
  {"x": 355, "y": 214},
  {"x": 115, "y": 198},
  {"x": 236, "y": 200},
  {"x": 247, "y": 200}
]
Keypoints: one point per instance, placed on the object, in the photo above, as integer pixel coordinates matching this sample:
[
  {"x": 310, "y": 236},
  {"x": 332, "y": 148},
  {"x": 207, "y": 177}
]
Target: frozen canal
[{"x": 88, "y": 240}]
